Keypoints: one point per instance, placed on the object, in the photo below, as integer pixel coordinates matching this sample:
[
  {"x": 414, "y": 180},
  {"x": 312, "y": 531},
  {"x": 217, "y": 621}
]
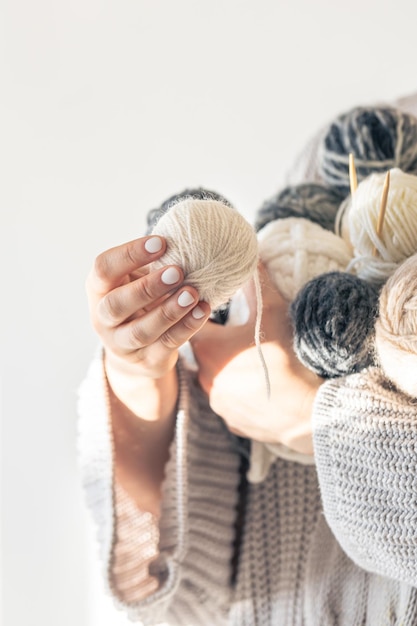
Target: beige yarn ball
[
  {"x": 214, "y": 245},
  {"x": 398, "y": 240},
  {"x": 396, "y": 327},
  {"x": 295, "y": 250}
]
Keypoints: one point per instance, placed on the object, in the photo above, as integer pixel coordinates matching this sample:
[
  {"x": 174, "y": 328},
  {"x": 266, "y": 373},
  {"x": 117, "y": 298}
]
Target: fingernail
[
  {"x": 185, "y": 299},
  {"x": 170, "y": 276},
  {"x": 154, "y": 244},
  {"x": 198, "y": 313}
]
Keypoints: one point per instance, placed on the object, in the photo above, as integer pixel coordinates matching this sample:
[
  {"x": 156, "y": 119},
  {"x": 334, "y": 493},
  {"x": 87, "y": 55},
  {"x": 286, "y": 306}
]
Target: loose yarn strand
[{"x": 259, "y": 308}]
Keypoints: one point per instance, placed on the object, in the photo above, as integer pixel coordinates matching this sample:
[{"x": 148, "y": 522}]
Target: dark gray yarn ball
[
  {"x": 333, "y": 317},
  {"x": 380, "y": 138},
  {"x": 311, "y": 201},
  {"x": 197, "y": 193}
]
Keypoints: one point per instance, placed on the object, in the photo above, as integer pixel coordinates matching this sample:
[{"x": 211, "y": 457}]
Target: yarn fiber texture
[
  {"x": 295, "y": 250},
  {"x": 196, "y": 193},
  {"x": 312, "y": 201},
  {"x": 398, "y": 239},
  {"x": 396, "y": 327},
  {"x": 213, "y": 244},
  {"x": 334, "y": 319},
  {"x": 380, "y": 138}
]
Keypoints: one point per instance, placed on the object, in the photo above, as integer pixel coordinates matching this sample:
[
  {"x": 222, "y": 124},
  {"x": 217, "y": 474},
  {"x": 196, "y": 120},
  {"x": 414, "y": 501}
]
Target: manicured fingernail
[
  {"x": 170, "y": 276},
  {"x": 185, "y": 299},
  {"x": 154, "y": 244},
  {"x": 198, "y": 313}
]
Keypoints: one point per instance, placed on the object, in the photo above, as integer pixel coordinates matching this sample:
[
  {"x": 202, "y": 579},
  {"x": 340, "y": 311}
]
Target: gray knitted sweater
[{"x": 334, "y": 543}]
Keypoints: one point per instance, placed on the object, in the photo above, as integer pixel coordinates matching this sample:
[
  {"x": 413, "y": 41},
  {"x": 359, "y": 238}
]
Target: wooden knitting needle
[
  {"x": 382, "y": 209},
  {"x": 352, "y": 175}
]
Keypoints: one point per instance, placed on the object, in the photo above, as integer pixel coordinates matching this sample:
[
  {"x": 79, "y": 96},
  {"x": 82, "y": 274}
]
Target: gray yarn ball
[
  {"x": 380, "y": 138},
  {"x": 333, "y": 317},
  {"x": 315, "y": 202},
  {"x": 197, "y": 193}
]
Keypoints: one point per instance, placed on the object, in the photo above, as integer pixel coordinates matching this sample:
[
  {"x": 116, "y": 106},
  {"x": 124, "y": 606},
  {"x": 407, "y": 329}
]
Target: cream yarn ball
[
  {"x": 295, "y": 250},
  {"x": 398, "y": 240},
  {"x": 396, "y": 327},
  {"x": 213, "y": 244}
]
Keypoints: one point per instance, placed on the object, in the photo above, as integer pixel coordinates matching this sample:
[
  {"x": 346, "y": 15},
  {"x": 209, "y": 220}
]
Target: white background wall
[{"x": 106, "y": 108}]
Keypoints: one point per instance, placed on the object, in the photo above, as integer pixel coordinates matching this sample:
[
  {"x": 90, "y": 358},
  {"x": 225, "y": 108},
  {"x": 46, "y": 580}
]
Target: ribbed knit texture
[
  {"x": 293, "y": 570},
  {"x": 135, "y": 547},
  {"x": 365, "y": 441},
  {"x": 280, "y": 514}
]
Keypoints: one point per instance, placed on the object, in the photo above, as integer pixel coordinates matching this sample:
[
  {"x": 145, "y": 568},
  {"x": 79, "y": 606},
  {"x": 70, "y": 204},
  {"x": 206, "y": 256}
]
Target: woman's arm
[{"x": 142, "y": 318}]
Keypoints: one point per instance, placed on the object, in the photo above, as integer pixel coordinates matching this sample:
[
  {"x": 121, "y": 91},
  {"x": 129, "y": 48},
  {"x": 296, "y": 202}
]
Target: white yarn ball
[
  {"x": 398, "y": 239},
  {"x": 213, "y": 244},
  {"x": 295, "y": 250}
]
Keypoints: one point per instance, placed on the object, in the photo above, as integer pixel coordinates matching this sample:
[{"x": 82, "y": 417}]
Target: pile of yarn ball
[
  {"x": 380, "y": 139},
  {"x": 213, "y": 244},
  {"x": 333, "y": 282}
]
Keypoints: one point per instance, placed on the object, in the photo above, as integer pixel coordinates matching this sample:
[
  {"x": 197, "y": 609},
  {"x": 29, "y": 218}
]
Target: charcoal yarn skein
[
  {"x": 313, "y": 201},
  {"x": 398, "y": 239},
  {"x": 333, "y": 318},
  {"x": 380, "y": 138},
  {"x": 396, "y": 327},
  {"x": 213, "y": 244}
]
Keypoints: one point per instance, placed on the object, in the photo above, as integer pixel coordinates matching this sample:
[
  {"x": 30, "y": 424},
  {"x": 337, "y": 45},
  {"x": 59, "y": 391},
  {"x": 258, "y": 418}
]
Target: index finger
[{"x": 111, "y": 267}]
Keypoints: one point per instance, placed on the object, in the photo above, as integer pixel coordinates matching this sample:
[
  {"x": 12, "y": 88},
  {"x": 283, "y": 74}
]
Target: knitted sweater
[{"x": 334, "y": 543}]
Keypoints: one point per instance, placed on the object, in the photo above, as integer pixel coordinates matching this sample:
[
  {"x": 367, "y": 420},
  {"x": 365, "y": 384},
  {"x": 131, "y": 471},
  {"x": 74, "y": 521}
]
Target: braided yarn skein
[
  {"x": 380, "y": 138},
  {"x": 334, "y": 318},
  {"x": 213, "y": 244},
  {"x": 396, "y": 328},
  {"x": 313, "y": 201},
  {"x": 398, "y": 239}
]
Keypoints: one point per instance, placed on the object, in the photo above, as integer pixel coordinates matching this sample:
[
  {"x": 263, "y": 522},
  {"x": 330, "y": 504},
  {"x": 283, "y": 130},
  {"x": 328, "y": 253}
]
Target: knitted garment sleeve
[
  {"x": 365, "y": 440},
  {"x": 192, "y": 565}
]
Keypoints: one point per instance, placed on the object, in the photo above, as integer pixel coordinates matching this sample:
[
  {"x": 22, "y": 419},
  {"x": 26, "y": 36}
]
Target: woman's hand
[
  {"x": 141, "y": 317},
  {"x": 231, "y": 372}
]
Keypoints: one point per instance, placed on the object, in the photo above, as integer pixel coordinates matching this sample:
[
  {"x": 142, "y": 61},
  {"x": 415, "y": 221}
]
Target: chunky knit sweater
[{"x": 334, "y": 543}]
